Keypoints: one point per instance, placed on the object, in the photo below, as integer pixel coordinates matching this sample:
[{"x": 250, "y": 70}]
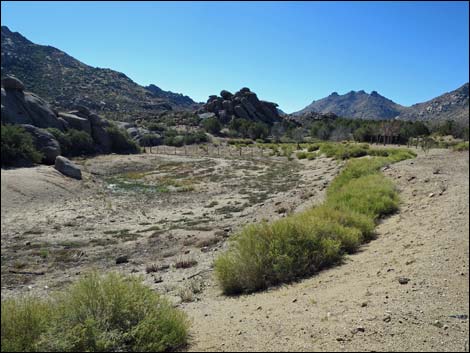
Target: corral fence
[{"x": 210, "y": 150}]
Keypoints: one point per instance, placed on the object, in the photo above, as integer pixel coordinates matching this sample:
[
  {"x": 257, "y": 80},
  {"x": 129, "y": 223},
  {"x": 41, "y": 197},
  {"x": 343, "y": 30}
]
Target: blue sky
[{"x": 287, "y": 52}]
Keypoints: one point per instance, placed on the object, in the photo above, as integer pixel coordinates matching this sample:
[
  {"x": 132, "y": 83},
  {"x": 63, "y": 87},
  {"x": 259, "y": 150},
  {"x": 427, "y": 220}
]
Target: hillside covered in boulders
[
  {"x": 449, "y": 106},
  {"x": 106, "y": 91},
  {"x": 75, "y": 132},
  {"x": 361, "y": 105}
]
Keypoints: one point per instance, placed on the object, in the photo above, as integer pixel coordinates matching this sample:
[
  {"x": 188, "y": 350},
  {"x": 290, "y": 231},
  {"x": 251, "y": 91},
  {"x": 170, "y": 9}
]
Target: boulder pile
[
  {"x": 35, "y": 114},
  {"x": 243, "y": 104}
]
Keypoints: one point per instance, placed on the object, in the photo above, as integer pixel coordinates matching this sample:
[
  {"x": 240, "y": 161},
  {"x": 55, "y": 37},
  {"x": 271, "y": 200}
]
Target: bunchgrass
[
  {"x": 299, "y": 245},
  {"x": 96, "y": 314}
]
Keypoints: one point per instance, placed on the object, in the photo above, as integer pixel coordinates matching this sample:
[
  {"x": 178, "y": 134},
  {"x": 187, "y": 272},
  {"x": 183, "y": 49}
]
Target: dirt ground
[
  {"x": 360, "y": 305},
  {"x": 171, "y": 215}
]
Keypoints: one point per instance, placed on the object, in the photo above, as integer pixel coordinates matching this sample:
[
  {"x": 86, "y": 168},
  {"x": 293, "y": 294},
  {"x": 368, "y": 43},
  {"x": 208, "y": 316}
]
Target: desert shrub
[
  {"x": 372, "y": 195},
  {"x": 24, "y": 320},
  {"x": 150, "y": 140},
  {"x": 240, "y": 142},
  {"x": 344, "y": 150},
  {"x": 311, "y": 156},
  {"x": 73, "y": 142},
  {"x": 462, "y": 146},
  {"x": 18, "y": 147},
  {"x": 265, "y": 254},
  {"x": 299, "y": 245},
  {"x": 212, "y": 125},
  {"x": 98, "y": 313},
  {"x": 195, "y": 138},
  {"x": 121, "y": 142},
  {"x": 301, "y": 155},
  {"x": 313, "y": 147}
]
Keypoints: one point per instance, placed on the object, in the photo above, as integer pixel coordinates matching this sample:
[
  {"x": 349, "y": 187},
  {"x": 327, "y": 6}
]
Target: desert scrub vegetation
[
  {"x": 121, "y": 142},
  {"x": 299, "y": 245},
  {"x": 344, "y": 150},
  {"x": 18, "y": 147},
  {"x": 73, "y": 142},
  {"x": 462, "y": 146},
  {"x": 305, "y": 155},
  {"x": 96, "y": 314}
]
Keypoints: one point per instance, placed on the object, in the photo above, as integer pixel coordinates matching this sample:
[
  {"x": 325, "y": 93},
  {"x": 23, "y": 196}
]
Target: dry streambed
[
  {"x": 407, "y": 290},
  {"x": 165, "y": 217}
]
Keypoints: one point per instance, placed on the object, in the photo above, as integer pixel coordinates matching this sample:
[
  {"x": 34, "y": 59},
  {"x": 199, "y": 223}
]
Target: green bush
[
  {"x": 150, "y": 140},
  {"x": 24, "y": 320},
  {"x": 97, "y": 314},
  {"x": 266, "y": 254},
  {"x": 314, "y": 147},
  {"x": 299, "y": 245},
  {"x": 18, "y": 147},
  {"x": 462, "y": 146},
  {"x": 301, "y": 155},
  {"x": 344, "y": 150},
  {"x": 73, "y": 142},
  {"x": 371, "y": 195},
  {"x": 311, "y": 156},
  {"x": 240, "y": 142},
  {"x": 121, "y": 142},
  {"x": 212, "y": 125}
]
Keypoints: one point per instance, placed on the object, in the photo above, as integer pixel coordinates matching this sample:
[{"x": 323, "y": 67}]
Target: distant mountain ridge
[
  {"x": 65, "y": 81},
  {"x": 176, "y": 98},
  {"x": 361, "y": 105}
]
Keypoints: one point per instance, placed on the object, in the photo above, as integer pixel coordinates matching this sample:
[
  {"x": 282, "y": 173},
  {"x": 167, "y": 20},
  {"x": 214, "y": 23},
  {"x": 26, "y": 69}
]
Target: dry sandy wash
[
  {"x": 361, "y": 306},
  {"x": 166, "y": 210}
]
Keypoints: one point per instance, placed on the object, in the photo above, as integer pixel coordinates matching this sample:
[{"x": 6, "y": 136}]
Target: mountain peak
[{"x": 357, "y": 105}]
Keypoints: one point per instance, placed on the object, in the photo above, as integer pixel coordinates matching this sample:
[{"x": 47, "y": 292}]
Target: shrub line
[{"x": 299, "y": 245}]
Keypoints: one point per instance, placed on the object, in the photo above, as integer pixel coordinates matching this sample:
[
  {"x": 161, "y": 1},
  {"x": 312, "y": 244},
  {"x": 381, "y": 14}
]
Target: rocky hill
[
  {"x": 449, "y": 106},
  {"x": 176, "y": 98},
  {"x": 244, "y": 104},
  {"x": 65, "y": 82},
  {"x": 359, "y": 105},
  {"x": 35, "y": 115}
]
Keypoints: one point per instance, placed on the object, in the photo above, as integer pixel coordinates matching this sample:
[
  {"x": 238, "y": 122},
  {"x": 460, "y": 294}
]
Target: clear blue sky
[{"x": 287, "y": 52}]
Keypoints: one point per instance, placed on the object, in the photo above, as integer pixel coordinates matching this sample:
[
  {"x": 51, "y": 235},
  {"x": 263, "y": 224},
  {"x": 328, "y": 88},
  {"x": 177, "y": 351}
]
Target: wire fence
[{"x": 207, "y": 150}]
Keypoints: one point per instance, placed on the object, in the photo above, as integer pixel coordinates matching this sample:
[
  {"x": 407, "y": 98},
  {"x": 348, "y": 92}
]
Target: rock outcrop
[
  {"x": 76, "y": 122},
  {"x": 44, "y": 142},
  {"x": 243, "y": 104},
  {"x": 12, "y": 83},
  {"x": 139, "y": 133},
  {"x": 68, "y": 168},
  {"x": 20, "y": 107},
  {"x": 34, "y": 114}
]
